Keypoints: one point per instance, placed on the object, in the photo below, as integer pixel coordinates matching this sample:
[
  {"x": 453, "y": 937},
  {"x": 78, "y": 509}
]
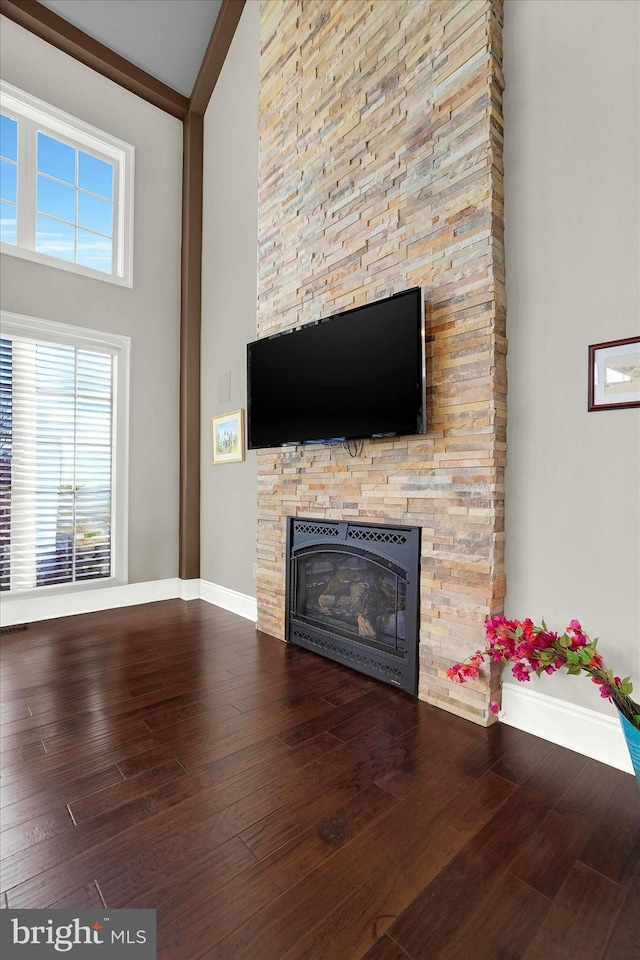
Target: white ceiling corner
[{"x": 167, "y": 38}]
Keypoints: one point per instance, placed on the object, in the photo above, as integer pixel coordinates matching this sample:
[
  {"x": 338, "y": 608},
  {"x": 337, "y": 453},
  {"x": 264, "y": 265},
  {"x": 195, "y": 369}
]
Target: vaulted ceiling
[{"x": 166, "y": 38}]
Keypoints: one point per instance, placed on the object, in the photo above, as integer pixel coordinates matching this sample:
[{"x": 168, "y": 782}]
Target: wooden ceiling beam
[
  {"x": 221, "y": 37},
  {"x": 47, "y": 25}
]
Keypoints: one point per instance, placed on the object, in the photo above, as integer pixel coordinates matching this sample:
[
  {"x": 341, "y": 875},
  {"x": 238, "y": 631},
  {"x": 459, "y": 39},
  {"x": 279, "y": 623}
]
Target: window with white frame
[
  {"x": 63, "y": 449},
  {"x": 66, "y": 190}
]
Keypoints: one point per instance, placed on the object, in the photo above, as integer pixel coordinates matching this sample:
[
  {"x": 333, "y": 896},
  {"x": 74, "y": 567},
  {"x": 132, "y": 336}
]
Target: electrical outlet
[{"x": 255, "y": 570}]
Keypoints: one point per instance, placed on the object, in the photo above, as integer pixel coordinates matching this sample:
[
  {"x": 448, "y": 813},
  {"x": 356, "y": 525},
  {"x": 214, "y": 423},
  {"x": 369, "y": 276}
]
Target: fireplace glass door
[{"x": 353, "y": 596}]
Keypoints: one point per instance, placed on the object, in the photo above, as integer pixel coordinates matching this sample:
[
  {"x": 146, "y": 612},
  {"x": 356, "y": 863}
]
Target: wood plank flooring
[{"x": 271, "y": 805}]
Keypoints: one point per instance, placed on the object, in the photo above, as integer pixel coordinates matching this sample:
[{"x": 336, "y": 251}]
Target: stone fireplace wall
[{"x": 381, "y": 169}]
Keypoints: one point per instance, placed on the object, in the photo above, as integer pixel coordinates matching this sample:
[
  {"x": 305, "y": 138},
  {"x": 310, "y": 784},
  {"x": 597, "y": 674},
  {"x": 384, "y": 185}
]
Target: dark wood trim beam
[
  {"x": 47, "y": 25},
  {"x": 221, "y": 37},
  {"x": 191, "y": 301},
  {"x": 190, "y": 308}
]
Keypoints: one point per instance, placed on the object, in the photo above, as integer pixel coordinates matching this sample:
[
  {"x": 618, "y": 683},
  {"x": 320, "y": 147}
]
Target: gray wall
[
  {"x": 229, "y": 294},
  {"x": 572, "y": 238},
  {"x": 148, "y": 313},
  {"x": 571, "y": 159}
]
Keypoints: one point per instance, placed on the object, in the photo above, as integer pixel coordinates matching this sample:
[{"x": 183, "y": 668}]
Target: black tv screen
[{"x": 353, "y": 375}]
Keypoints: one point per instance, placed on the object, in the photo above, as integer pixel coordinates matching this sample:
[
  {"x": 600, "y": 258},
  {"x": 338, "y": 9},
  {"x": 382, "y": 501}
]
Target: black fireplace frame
[{"x": 396, "y": 548}]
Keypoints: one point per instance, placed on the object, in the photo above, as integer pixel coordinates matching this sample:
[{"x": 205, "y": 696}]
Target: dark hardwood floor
[{"x": 270, "y": 804}]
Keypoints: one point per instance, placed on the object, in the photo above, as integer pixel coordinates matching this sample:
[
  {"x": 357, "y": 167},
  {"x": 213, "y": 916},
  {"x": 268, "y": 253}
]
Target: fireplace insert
[{"x": 352, "y": 595}]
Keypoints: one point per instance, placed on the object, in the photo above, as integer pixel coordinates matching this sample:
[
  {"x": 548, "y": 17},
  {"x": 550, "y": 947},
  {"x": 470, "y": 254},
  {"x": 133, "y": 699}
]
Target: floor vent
[{"x": 16, "y": 628}]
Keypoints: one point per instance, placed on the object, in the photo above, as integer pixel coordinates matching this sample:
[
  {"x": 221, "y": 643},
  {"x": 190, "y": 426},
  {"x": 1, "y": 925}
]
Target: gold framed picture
[
  {"x": 227, "y": 437},
  {"x": 614, "y": 374}
]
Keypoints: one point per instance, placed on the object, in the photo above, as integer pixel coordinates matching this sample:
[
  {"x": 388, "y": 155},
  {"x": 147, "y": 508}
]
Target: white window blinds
[{"x": 56, "y": 462}]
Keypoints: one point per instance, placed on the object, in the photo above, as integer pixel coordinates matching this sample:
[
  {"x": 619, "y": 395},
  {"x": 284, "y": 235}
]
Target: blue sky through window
[
  {"x": 74, "y": 199},
  {"x": 8, "y": 137},
  {"x": 74, "y": 205},
  {"x": 8, "y": 178},
  {"x": 66, "y": 190},
  {"x": 95, "y": 214},
  {"x": 95, "y": 175},
  {"x": 55, "y": 238},
  {"x": 56, "y": 199},
  {"x": 56, "y": 159}
]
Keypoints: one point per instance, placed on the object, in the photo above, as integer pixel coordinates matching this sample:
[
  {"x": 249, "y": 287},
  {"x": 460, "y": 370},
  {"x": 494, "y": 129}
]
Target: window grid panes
[
  {"x": 74, "y": 205},
  {"x": 8, "y": 179},
  {"x": 67, "y": 190}
]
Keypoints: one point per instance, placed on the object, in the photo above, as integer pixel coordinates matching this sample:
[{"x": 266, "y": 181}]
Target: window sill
[
  {"x": 60, "y": 589},
  {"x": 33, "y": 256}
]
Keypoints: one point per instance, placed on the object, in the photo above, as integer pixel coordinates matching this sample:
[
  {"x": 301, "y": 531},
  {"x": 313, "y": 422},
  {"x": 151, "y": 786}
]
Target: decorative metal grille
[
  {"x": 383, "y": 669},
  {"x": 300, "y": 527},
  {"x": 375, "y": 536}
]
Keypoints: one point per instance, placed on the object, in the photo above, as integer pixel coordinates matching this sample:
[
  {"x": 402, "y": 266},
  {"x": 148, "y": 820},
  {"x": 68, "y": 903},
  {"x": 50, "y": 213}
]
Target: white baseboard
[
  {"x": 189, "y": 589},
  {"x": 228, "y": 599},
  {"x": 587, "y": 732},
  {"x": 47, "y": 607}
]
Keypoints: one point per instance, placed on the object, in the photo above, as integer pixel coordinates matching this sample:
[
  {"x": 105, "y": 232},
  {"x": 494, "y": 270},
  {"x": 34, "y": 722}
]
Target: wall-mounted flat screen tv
[{"x": 354, "y": 375}]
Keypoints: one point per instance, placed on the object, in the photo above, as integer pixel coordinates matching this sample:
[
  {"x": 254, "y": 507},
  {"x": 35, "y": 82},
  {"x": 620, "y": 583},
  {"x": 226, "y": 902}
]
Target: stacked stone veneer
[{"x": 381, "y": 169}]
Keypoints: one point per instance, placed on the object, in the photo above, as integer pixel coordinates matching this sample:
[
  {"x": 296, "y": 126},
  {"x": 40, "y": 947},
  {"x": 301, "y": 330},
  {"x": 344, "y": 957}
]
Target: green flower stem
[{"x": 627, "y": 707}]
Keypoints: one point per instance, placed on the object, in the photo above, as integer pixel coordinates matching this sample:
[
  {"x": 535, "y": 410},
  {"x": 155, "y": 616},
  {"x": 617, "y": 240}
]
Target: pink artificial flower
[
  {"x": 580, "y": 639},
  {"x": 470, "y": 670},
  {"x": 604, "y": 692},
  {"x": 461, "y": 672},
  {"x": 528, "y": 628},
  {"x": 529, "y": 648},
  {"x": 545, "y": 639},
  {"x": 520, "y": 672}
]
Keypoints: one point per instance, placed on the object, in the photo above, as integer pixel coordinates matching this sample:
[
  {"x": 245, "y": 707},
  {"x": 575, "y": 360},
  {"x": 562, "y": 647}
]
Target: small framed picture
[
  {"x": 614, "y": 374},
  {"x": 227, "y": 437}
]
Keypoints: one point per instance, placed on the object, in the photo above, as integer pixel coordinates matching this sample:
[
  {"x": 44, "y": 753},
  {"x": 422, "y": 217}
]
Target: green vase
[{"x": 632, "y": 736}]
